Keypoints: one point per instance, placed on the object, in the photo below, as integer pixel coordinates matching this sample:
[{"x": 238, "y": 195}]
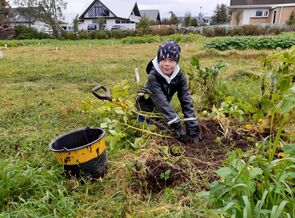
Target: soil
[{"x": 194, "y": 164}]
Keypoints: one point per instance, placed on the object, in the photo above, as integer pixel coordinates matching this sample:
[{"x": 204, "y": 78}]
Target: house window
[
  {"x": 265, "y": 13},
  {"x": 118, "y": 21},
  {"x": 261, "y": 13},
  {"x": 99, "y": 10}
]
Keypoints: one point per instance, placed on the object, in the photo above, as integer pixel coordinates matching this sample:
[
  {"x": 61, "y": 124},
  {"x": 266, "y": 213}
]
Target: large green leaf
[
  {"x": 287, "y": 105},
  {"x": 224, "y": 171},
  {"x": 195, "y": 62},
  {"x": 256, "y": 171},
  {"x": 289, "y": 149}
]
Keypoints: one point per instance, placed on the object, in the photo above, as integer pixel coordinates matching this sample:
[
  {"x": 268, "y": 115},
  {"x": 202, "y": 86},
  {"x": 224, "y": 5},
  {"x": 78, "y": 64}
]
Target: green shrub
[
  {"x": 101, "y": 34},
  {"x": 291, "y": 20},
  {"x": 258, "y": 43},
  {"x": 84, "y": 35},
  {"x": 208, "y": 32},
  {"x": 70, "y": 35},
  {"x": 250, "y": 30},
  {"x": 163, "y": 31},
  {"x": 238, "y": 31},
  {"x": 24, "y": 32},
  {"x": 92, "y": 35},
  {"x": 118, "y": 34},
  {"x": 220, "y": 31},
  {"x": 131, "y": 33}
]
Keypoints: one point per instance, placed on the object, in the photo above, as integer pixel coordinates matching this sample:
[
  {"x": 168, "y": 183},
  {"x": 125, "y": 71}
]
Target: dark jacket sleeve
[
  {"x": 160, "y": 100},
  {"x": 186, "y": 103}
]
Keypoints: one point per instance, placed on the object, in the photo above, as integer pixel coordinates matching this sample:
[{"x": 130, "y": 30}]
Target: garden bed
[{"x": 170, "y": 163}]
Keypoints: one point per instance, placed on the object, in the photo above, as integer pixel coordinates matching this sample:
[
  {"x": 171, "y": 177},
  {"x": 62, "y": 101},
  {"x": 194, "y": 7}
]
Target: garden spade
[{"x": 106, "y": 95}]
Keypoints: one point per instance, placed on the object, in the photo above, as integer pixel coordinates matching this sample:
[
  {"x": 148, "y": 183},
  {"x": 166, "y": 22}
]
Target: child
[{"x": 164, "y": 80}]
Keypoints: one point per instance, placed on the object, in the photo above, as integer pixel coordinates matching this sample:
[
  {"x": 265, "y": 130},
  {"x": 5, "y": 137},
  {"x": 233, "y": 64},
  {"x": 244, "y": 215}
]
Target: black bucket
[{"x": 82, "y": 152}]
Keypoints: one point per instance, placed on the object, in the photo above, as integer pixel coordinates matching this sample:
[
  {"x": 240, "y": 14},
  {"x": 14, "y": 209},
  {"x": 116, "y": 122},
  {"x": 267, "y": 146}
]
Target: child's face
[{"x": 167, "y": 66}]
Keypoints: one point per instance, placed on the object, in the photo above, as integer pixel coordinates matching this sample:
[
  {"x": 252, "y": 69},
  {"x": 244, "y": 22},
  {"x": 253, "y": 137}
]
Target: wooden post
[{"x": 137, "y": 75}]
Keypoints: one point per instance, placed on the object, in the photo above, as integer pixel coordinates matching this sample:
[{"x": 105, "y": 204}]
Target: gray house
[{"x": 152, "y": 14}]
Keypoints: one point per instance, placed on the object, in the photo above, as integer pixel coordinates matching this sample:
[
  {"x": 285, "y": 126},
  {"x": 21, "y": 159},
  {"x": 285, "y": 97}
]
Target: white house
[
  {"x": 114, "y": 14},
  {"x": 17, "y": 18}
]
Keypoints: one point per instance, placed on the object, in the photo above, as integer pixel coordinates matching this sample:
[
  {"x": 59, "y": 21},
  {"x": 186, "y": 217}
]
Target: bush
[
  {"x": 220, "y": 31},
  {"x": 131, "y": 33},
  {"x": 163, "y": 31},
  {"x": 24, "y": 32},
  {"x": 101, "y": 34},
  {"x": 70, "y": 36},
  {"x": 84, "y": 35},
  {"x": 250, "y": 30},
  {"x": 252, "y": 43},
  {"x": 118, "y": 34},
  {"x": 208, "y": 32},
  {"x": 245, "y": 30}
]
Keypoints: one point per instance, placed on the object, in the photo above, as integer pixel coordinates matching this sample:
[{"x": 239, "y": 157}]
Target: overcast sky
[{"x": 179, "y": 7}]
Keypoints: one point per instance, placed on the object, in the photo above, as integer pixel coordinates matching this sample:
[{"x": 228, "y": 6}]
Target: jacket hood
[{"x": 154, "y": 65}]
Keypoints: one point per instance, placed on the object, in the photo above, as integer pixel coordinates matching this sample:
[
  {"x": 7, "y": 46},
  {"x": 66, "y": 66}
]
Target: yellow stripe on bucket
[{"x": 82, "y": 155}]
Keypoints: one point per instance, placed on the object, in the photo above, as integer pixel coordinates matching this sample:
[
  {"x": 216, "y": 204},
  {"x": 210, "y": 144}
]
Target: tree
[
  {"x": 291, "y": 20},
  {"x": 173, "y": 18},
  {"x": 165, "y": 21},
  {"x": 101, "y": 23},
  {"x": 144, "y": 25},
  {"x": 187, "y": 19},
  {"x": 194, "y": 22},
  {"x": 76, "y": 23},
  {"x": 220, "y": 14},
  {"x": 50, "y": 14},
  {"x": 5, "y": 12},
  {"x": 29, "y": 9}
]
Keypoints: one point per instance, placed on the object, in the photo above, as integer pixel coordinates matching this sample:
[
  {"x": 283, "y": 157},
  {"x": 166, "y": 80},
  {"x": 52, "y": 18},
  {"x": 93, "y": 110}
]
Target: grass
[{"x": 41, "y": 90}]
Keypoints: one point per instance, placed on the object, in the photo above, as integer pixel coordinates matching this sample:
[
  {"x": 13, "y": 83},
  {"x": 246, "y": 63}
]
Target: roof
[
  {"x": 115, "y": 6},
  {"x": 260, "y": 2},
  {"x": 18, "y": 17},
  {"x": 151, "y": 14}
]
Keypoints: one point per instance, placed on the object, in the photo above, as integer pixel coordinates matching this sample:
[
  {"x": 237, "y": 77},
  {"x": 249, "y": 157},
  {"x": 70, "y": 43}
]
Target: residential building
[
  {"x": 152, "y": 14},
  {"x": 110, "y": 15},
  {"x": 18, "y": 18},
  {"x": 255, "y": 12}
]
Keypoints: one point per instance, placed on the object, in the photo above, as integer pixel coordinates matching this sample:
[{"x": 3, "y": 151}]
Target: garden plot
[{"x": 169, "y": 163}]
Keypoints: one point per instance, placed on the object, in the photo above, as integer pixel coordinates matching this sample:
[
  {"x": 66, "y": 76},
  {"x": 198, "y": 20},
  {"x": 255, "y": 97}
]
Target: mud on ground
[{"x": 170, "y": 163}]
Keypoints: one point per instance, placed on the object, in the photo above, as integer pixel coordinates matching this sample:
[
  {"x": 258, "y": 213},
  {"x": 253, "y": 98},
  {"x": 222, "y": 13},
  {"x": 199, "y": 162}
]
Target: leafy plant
[
  {"x": 229, "y": 108},
  {"x": 259, "y": 185},
  {"x": 205, "y": 79},
  {"x": 258, "y": 43},
  {"x": 165, "y": 175},
  {"x": 254, "y": 188}
]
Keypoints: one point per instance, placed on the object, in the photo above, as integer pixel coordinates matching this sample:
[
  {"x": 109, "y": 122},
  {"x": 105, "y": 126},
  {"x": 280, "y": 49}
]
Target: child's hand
[
  {"x": 179, "y": 132},
  {"x": 192, "y": 135},
  {"x": 192, "y": 139}
]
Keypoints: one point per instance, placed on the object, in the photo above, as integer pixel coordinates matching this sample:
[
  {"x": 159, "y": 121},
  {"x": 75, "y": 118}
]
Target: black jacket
[{"x": 161, "y": 93}]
